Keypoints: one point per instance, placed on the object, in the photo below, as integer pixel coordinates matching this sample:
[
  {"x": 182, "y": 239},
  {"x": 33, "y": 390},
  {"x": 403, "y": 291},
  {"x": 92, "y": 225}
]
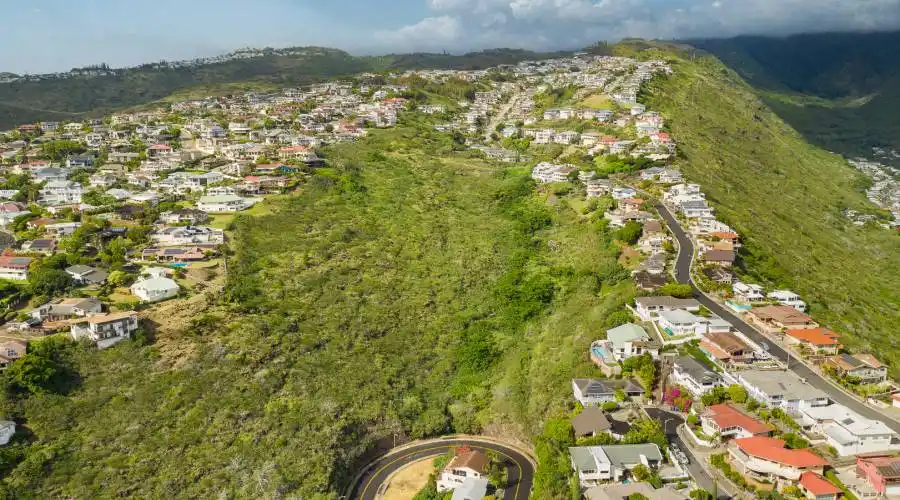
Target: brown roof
[
  {"x": 718, "y": 256},
  {"x": 785, "y": 315},
  {"x": 728, "y": 341},
  {"x": 470, "y": 459},
  {"x": 589, "y": 421},
  {"x": 653, "y": 226},
  {"x": 109, "y": 318}
]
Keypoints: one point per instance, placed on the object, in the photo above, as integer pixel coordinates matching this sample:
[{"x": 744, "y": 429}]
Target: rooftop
[
  {"x": 815, "y": 336},
  {"x": 725, "y": 415},
  {"x": 773, "y": 450},
  {"x": 818, "y": 485},
  {"x": 782, "y": 383}
]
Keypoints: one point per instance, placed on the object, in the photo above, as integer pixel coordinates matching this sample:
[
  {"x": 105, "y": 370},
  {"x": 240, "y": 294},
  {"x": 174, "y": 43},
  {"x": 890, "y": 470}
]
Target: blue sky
[{"x": 55, "y": 35}]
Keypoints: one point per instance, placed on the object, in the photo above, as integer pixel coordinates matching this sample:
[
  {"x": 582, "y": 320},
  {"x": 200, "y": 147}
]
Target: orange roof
[
  {"x": 773, "y": 450},
  {"x": 815, "y": 336},
  {"x": 725, "y": 235},
  {"x": 714, "y": 350},
  {"x": 725, "y": 415},
  {"x": 817, "y": 485}
]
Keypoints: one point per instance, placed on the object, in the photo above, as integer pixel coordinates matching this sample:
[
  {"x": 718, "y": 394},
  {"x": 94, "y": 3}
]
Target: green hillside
[
  {"x": 409, "y": 290},
  {"x": 27, "y": 101},
  {"x": 786, "y": 197},
  {"x": 854, "y": 79}
]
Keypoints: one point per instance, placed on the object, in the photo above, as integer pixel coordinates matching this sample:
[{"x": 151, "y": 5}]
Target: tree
[
  {"x": 637, "y": 496},
  {"x": 737, "y": 393},
  {"x": 32, "y": 373},
  {"x": 752, "y": 405},
  {"x": 717, "y": 395},
  {"x": 48, "y": 282},
  {"x": 630, "y": 233},
  {"x": 620, "y": 395},
  {"x": 619, "y": 318},
  {"x": 60, "y": 150},
  {"x": 119, "y": 278},
  {"x": 681, "y": 291},
  {"x": 641, "y": 472}
]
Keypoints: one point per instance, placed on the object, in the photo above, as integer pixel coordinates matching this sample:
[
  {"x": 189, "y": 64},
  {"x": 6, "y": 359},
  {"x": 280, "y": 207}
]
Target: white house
[
  {"x": 188, "y": 235},
  {"x": 698, "y": 379},
  {"x": 748, "y": 292},
  {"x": 781, "y": 389},
  {"x": 467, "y": 464},
  {"x": 589, "y": 391},
  {"x": 595, "y": 464},
  {"x": 630, "y": 340},
  {"x": 649, "y": 308},
  {"x": 7, "y": 430},
  {"x": 155, "y": 289},
  {"x": 678, "y": 323},
  {"x": 620, "y": 193},
  {"x": 788, "y": 298},
  {"x": 226, "y": 203},
  {"x": 847, "y": 431},
  {"x": 14, "y": 268},
  {"x": 106, "y": 329},
  {"x": 61, "y": 193}
]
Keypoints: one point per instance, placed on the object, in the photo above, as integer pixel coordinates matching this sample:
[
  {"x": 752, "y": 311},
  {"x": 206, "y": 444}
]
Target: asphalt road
[
  {"x": 683, "y": 275},
  {"x": 671, "y": 421},
  {"x": 520, "y": 472}
]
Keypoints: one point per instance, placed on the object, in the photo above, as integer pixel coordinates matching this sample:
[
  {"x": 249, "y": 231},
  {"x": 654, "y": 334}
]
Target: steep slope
[
  {"x": 853, "y": 77},
  {"x": 786, "y": 197}
]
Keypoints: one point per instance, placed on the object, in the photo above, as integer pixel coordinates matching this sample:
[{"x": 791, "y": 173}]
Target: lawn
[{"x": 598, "y": 101}]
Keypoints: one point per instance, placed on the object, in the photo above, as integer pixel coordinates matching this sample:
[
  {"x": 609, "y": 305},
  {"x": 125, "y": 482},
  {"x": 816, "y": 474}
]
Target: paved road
[
  {"x": 520, "y": 471},
  {"x": 671, "y": 421},
  {"x": 683, "y": 275}
]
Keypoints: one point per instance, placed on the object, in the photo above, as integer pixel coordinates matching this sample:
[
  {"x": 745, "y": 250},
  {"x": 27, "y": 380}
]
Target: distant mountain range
[
  {"x": 841, "y": 90},
  {"x": 96, "y": 90}
]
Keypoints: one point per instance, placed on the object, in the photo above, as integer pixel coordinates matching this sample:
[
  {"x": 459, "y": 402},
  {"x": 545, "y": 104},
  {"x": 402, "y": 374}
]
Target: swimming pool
[{"x": 600, "y": 352}]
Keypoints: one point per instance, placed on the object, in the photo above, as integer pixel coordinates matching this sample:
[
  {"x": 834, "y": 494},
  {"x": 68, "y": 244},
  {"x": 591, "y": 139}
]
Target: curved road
[
  {"x": 520, "y": 471},
  {"x": 683, "y": 275}
]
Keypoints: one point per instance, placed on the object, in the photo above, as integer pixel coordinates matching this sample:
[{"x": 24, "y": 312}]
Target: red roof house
[
  {"x": 817, "y": 487},
  {"x": 762, "y": 457},
  {"x": 726, "y": 421}
]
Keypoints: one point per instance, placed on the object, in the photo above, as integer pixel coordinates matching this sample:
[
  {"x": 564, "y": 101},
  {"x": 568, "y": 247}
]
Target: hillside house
[
  {"x": 728, "y": 422},
  {"x": 11, "y": 350},
  {"x": 106, "y": 330},
  {"x": 776, "y": 319},
  {"x": 780, "y": 389},
  {"x": 155, "y": 289},
  {"x": 864, "y": 367},
  {"x": 649, "y": 308},
  {"x": 765, "y": 458},
  {"x": 596, "y": 464},
  {"x": 695, "y": 377},
  {"x": 64, "y": 309},
  {"x": 223, "y": 204},
  {"x": 847, "y": 431},
  {"x": 466, "y": 464},
  {"x": 86, "y": 275},
  {"x": 788, "y": 298},
  {"x": 630, "y": 340},
  {"x": 817, "y": 342},
  {"x": 881, "y": 473},
  {"x": 14, "y": 268}
]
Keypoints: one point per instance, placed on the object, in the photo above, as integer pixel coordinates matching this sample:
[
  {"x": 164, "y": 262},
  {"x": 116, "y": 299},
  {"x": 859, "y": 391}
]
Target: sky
[{"x": 56, "y": 35}]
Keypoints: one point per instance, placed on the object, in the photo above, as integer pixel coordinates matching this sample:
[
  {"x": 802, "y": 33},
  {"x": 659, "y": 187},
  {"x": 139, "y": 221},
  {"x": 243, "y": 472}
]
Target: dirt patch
[{"x": 406, "y": 483}]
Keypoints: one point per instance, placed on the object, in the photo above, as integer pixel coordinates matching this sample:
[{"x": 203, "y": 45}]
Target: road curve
[
  {"x": 683, "y": 275},
  {"x": 520, "y": 470}
]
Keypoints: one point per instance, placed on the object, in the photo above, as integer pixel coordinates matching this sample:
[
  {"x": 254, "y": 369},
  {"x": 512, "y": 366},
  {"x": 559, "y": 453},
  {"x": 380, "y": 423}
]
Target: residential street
[
  {"x": 671, "y": 421},
  {"x": 683, "y": 275}
]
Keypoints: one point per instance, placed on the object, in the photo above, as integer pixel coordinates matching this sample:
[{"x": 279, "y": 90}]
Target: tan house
[{"x": 776, "y": 319}]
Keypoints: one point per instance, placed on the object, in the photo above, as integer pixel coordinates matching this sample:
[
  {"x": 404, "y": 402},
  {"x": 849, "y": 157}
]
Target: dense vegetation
[
  {"x": 785, "y": 197},
  {"x": 409, "y": 289},
  {"x": 840, "y": 90},
  {"x": 71, "y": 98}
]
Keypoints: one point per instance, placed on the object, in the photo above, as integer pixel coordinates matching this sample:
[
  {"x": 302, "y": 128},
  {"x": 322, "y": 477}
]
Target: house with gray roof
[
  {"x": 695, "y": 377},
  {"x": 595, "y": 464},
  {"x": 648, "y": 308},
  {"x": 592, "y": 392},
  {"x": 590, "y": 422}
]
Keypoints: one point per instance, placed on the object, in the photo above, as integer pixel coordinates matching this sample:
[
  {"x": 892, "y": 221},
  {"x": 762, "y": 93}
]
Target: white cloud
[
  {"x": 430, "y": 33},
  {"x": 548, "y": 24}
]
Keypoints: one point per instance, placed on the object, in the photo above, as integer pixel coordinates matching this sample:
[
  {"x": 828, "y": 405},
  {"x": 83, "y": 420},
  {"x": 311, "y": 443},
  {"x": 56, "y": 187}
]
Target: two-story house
[
  {"x": 695, "y": 377},
  {"x": 106, "y": 330}
]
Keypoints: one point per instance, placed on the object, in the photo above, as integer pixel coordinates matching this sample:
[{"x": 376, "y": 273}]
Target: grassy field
[
  {"x": 785, "y": 196},
  {"x": 598, "y": 101}
]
